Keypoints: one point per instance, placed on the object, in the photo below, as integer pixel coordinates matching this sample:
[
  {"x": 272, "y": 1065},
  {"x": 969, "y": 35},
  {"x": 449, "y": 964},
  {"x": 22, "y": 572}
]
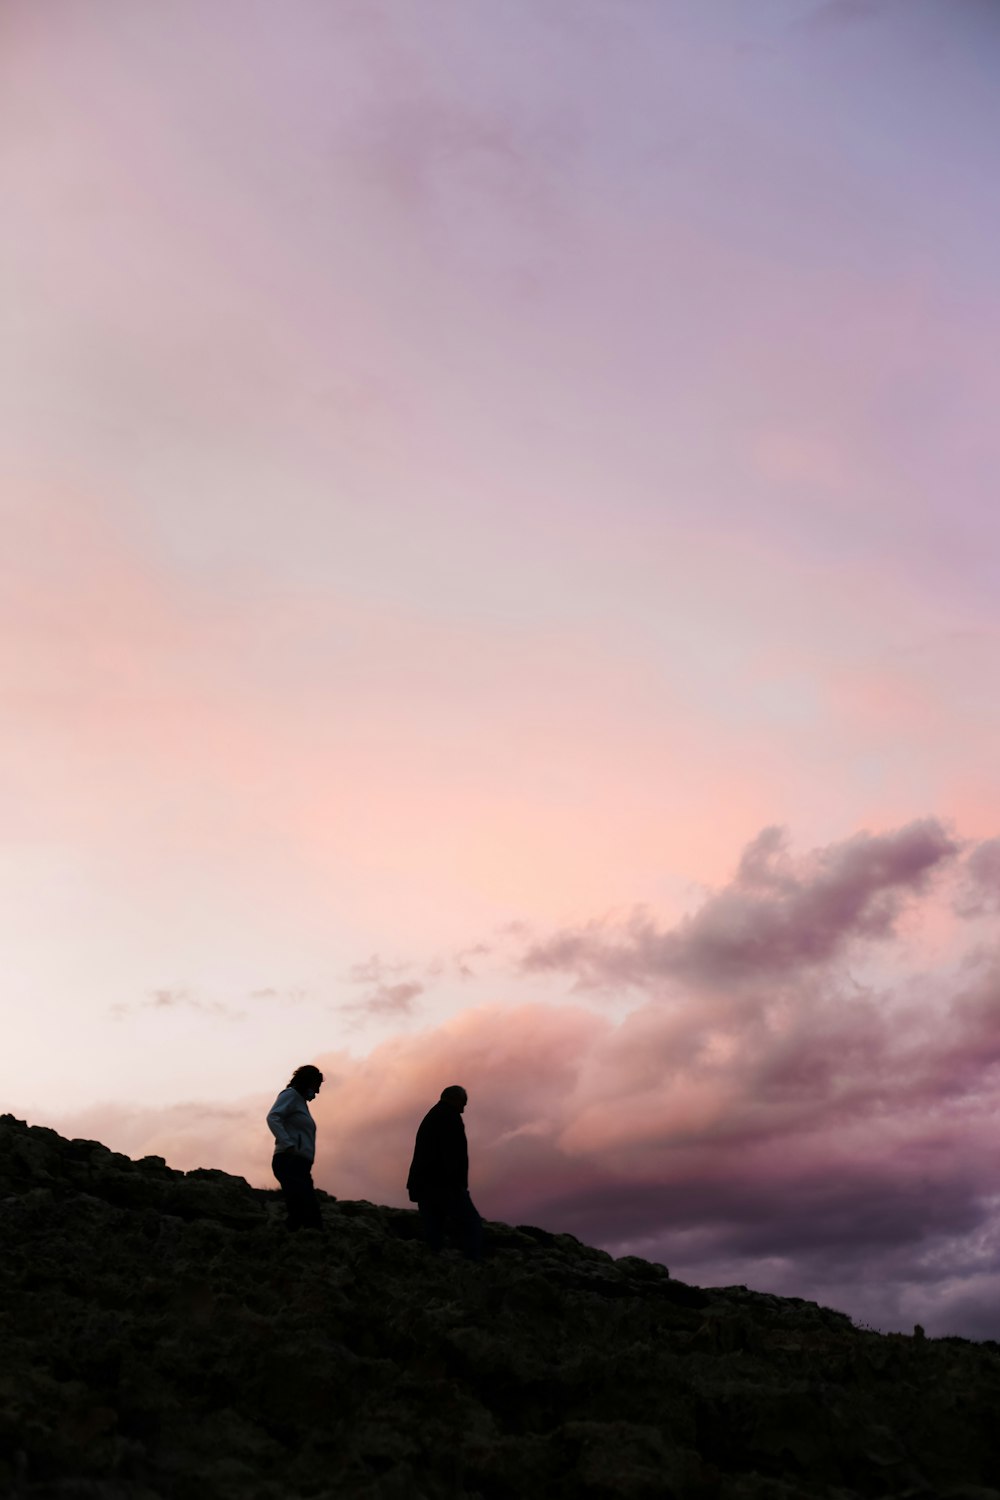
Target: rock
[{"x": 163, "y": 1335}]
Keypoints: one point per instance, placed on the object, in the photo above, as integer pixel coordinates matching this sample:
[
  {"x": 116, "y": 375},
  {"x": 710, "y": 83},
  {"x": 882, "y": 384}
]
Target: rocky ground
[{"x": 162, "y": 1336}]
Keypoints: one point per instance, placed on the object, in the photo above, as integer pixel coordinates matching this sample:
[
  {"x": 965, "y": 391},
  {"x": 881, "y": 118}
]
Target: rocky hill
[{"x": 162, "y": 1336}]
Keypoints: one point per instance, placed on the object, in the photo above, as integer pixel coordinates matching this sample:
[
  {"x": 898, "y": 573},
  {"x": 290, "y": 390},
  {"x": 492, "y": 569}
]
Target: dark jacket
[{"x": 440, "y": 1163}]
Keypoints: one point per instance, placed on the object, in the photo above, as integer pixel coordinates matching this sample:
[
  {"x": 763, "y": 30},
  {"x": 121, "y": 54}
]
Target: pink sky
[{"x": 467, "y": 474}]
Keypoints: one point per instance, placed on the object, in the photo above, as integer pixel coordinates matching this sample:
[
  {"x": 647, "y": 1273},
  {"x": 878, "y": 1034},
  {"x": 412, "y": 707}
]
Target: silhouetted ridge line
[{"x": 162, "y": 1335}]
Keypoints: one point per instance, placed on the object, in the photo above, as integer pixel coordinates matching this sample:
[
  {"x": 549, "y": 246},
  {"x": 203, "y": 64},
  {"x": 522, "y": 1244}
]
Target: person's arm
[
  {"x": 282, "y": 1107},
  {"x": 455, "y": 1154},
  {"x": 421, "y": 1167}
]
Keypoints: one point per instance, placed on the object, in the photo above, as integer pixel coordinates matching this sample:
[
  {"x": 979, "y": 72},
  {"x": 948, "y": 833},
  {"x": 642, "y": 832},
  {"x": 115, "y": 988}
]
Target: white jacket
[{"x": 292, "y": 1126}]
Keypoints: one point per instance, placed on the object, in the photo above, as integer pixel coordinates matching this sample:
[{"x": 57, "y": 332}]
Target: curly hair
[{"x": 306, "y": 1077}]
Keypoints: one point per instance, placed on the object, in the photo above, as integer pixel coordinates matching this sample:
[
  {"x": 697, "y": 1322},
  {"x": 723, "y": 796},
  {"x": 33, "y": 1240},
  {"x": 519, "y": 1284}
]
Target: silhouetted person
[
  {"x": 294, "y": 1131},
  {"x": 439, "y": 1174}
]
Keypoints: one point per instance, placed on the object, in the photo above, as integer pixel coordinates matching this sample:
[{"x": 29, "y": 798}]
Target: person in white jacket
[{"x": 294, "y": 1131}]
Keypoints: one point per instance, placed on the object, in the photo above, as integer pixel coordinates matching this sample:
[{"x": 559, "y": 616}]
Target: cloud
[
  {"x": 802, "y": 1123},
  {"x": 385, "y": 994},
  {"x": 463, "y": 967},
  {"x": 386, "y": 999},
  {"x": 979, "y": 893},
  {"x": 177, "y": 999},
  {"x": 776, "y": 917},
  {"x": 826, "y": 1148},
  {"x": 289, "y": 995},
  {"x": 458, "y": 963},
  {"x": 374, "y": 970},
  {"x": 818, "y": 1142},
  {"x": 191, "y": 1133},
  {"x": 164, "y": 999},
  {"x": 762, "y": 1113}
]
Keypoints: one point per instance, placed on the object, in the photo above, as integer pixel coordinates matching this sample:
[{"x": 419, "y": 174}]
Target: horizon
[{"x": 501, "y": 583}]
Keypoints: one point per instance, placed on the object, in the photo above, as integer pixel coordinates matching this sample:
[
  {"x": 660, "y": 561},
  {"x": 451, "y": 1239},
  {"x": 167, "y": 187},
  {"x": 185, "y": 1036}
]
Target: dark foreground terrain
[{"x": 161, "y": 1336}]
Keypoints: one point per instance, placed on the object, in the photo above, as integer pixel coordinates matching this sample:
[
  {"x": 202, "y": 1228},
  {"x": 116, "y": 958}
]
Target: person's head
[
  {"x": 456, "y": 1096},
  {"x": 307, "y": 1081}
]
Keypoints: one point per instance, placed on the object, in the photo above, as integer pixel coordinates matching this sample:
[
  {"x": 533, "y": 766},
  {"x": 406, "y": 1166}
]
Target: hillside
[{"x": 162, "y": 1336}]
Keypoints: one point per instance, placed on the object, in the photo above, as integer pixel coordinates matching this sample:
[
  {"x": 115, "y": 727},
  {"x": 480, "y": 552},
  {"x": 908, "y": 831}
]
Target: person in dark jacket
[
  {"x": 294, "y": 1131},
  {"x": 439, "y": 1174}
]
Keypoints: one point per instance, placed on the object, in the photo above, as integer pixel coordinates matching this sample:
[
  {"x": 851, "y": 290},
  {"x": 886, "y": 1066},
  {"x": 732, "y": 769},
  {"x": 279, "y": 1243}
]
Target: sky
[{"x": 501, "y": 585}]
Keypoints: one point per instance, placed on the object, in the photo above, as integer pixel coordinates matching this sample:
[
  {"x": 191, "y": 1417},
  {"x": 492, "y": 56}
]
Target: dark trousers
[
  {"x": 457, "y": 1209},
  {"x": 301, "y": 1204}
]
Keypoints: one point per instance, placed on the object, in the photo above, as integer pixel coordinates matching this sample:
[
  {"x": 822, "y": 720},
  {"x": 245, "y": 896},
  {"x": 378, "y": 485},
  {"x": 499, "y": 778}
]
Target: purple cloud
[
  {"x": 776, "y": 917},
  {"x": 761, "y": 1115},
  {"x": 979, "y": 893},
  {"x": 385, "y": 993},
  {"x": 385, "y": 1000}
]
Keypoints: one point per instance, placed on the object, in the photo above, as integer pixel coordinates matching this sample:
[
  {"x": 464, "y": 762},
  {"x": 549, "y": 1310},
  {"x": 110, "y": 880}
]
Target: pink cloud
[
  {"x": 787, "y": 1124},
  {"x": 776, "y": 916},
  {"x": 336, "y": 618},
  {"x": 814, "y": 1142},
  {"x": 785, "y": 1121},
  {"x": 385, "y": 1000},
  {"x": 192, "y": 1133},
  {"x": 980, "y": 892},
  {"x": 174, "y": 999}
]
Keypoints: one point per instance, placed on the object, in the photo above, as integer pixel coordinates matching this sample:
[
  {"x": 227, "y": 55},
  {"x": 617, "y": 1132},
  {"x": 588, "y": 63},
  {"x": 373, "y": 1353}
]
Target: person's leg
[
  {"x": 283, "y": 1170},
  {"x": 471, "y": 1226},
  {"x": 309, "y": 1210},
  {"x": 432, "y": 1222},
  {"x": 301, "y": 1203}
]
